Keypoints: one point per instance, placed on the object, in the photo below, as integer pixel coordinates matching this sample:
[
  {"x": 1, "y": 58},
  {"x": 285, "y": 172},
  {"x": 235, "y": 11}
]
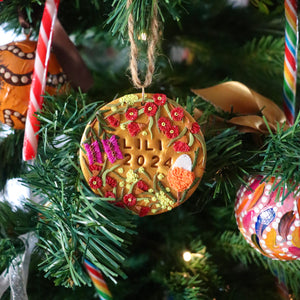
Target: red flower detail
[
  {"x": 173, "y": 132},
  {"x": 133, "y": 128},
  {"x": 142, "y": 185},
  {"x": 95, "y": 182},
  {"x": 111, "y": 181},
  {"x": 150, "y": 109},
  {"x": 110, "y": 194},
  {"x": 159, "y": 99},
  {"x": 95, "y": 167},
  {"x": 129, "y": 200},
  {"x": 131, "y": 114},
  {"x": 181, "y": 147},
  {"x": 113, "y": 121},
  {"x": 177, "y": 113},
  {"x": 144, "y": 211},
  {"x": 164, "y": 124},
  {"x": 195, "y": 128}
]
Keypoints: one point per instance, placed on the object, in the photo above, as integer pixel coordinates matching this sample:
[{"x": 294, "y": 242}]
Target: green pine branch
[
  {"x": 280, "y": 158},
  {"x": 198, "y": 278},
  {"x": 14, "y": 221},
  {"x": 267, "y": 53},
  {"x": 142, "y": 12},
  {"x": 229, "y": 161},
  {"x": 74, "y": 223},
  {"x": 265, "y": 6},
  {"x": 11, "y": 164},
  {"x": 286, "y": 271}
]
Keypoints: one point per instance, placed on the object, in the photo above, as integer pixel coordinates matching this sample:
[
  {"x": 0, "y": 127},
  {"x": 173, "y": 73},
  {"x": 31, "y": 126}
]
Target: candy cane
[
  {"x": 98, "y": 281},
  {"x": 290, "y": 59},
  {"x": 39, "y": 79}
]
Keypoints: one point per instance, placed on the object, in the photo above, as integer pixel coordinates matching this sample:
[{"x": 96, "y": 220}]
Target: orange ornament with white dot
[
  {"x": 270, "y": 225},
  {"x": 16, "y": 69}
]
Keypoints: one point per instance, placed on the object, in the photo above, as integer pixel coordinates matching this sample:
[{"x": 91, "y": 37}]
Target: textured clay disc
[{"x": 145, "y": 154}]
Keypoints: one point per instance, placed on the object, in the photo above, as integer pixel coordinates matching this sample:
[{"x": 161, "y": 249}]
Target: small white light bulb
[
  {"x": 143, "y": 36},
  {"x": 187, "y": 256}
]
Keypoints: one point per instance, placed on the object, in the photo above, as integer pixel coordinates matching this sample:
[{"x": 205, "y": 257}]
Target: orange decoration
[
  {"x": 16, "y": 68},
  {"x": 180, "y": 179}
]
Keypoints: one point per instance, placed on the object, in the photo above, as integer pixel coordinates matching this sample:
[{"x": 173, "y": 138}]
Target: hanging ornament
[
  {"x": 269, "y": 225},
  {"x": 16, "y": 70},
  {"x": 143, "y": 152}
]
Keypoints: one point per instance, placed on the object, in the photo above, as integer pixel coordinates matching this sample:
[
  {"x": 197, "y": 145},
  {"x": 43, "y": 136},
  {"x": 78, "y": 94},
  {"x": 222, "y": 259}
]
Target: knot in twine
[{"x": 153, "y": 39}]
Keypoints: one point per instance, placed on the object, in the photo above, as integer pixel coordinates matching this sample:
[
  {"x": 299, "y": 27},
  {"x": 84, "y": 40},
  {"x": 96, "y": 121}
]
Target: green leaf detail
[
  {"x": 182, "y": 133},
  {"x": 195, "y": 158},
  {"x": 150, "y": 126},
  {"x": 200, "y": 138},
  {"x": 191, "y": 140},
  {"x": 162, "y": 187},
  {"x": 107, "y": 171},
  {"x": 166, "y": 107}
]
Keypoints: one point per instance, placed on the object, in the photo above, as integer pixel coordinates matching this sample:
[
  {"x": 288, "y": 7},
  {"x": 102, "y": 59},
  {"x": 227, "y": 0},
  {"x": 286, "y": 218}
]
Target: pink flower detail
[
  {"x": 133, "y": 128},
  {"x": 95, "y": 182},
  {"x": 181, "y": 147},
  {"x": 131, "y": 114},
  {"x": 112, "y": 149},
  {"x": 93, "y": 153},
  {"x": 172, "y": 133},
  {"x": 177, "y": 114},
  {"x": 129, "y": 200},
  {"x": 159, "y": 99},
  {"x": 195, "y": 128},
  {"x": 150, "y": 109}
]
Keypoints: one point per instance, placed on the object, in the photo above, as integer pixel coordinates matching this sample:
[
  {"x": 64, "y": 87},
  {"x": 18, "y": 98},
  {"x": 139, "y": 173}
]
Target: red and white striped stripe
[{"x": 39, "y": 79}]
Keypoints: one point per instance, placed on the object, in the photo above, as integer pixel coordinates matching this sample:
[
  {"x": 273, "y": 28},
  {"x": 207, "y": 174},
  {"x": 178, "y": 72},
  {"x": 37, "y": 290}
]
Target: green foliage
[
  {"x": 14, "y": 221},
  {"x": 74, "y": 224},
  {"x": 142, "y": 12},
  {"x": 266, "y": 51},
  {"x": 287, "y": 271},
  {"x": 9, "y": 12},
  {"x": 262, "y": 62},
  {"x": 280, "y": 157},
  {"x": 265, "y": 6},
  {"x": 229, "y": 160},
  {"x": 198, "y": 278},
  {"x": 11, "y": 164}
]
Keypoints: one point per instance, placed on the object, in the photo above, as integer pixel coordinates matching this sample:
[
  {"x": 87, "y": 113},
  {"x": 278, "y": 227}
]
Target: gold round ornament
[{"x": 145, "y": 153}]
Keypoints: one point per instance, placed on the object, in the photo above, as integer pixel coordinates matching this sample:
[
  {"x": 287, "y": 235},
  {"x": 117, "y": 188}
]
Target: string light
[
  {"x": 187, "y": 256},
  {"x": 143, "y": 36}
]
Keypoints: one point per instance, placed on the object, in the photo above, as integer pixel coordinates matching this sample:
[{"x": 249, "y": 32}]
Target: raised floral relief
[{"x": 144, "y": 154}]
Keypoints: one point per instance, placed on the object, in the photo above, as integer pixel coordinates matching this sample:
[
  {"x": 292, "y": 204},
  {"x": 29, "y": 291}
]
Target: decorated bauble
[
  {"x": 146, "y": 154},
  {"x": 269, "y": 225},
  {"x": 16, "y": 68}
]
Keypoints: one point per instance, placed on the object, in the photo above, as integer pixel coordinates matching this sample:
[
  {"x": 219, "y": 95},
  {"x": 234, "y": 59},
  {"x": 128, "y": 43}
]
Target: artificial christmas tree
[{"x": 198, "y": 44}]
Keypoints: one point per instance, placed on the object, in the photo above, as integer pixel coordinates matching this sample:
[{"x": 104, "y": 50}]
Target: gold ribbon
[{"x": 250, "y": 106}]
